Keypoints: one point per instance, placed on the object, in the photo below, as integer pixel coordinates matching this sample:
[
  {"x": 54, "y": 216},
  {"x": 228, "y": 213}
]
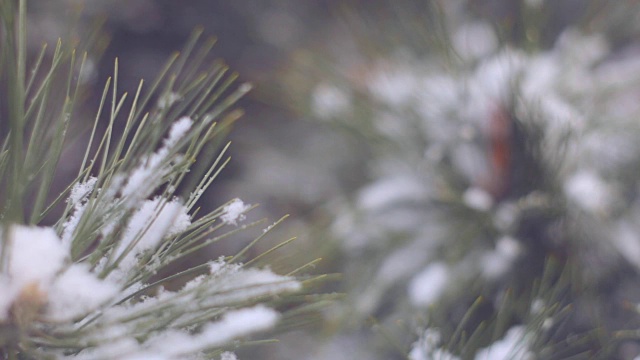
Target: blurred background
[{"x": 309, "y": 146}]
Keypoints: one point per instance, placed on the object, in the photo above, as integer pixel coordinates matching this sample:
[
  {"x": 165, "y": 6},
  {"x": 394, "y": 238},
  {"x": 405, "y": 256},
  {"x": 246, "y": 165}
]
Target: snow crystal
[
  {"x": 328, "y": 101},
  {"x": 81, "y": 189},
  {"x": 477, "y": 199},
  {"x": 589, "y": 191},
  {"x": 77, "y": 291},
  {"x": 427, "y": 286},
  {"x": 514, "y": 345},
  {"x": 234, "y": 212}
]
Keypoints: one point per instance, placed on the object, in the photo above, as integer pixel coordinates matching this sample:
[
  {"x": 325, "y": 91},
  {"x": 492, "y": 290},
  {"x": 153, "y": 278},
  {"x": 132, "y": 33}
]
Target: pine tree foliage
[
  {"x": 97, "y": 283},
  {"x": 499, "y": 214}
]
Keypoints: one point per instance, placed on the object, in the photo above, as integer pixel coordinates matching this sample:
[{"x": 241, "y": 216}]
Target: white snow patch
[
  {"x": 391, "y": 190},
  {"x": 234, "y": 212},
  {"x": 514, "y": 345},
  {"x": 228, "y": 355},
  {"x": 589, "y": 191},
  {"x": 474, "y": 40},
  {"x": 168, "y": 99},
  {"x": 178, "y": 130},
  {"x": 78, "y": 292},
  {"x": 81, "y": 190},
  {"x": 394, "y": 86},
  {"x": 328, "y": 101},
  {"x": 146, "y": 176},
  {"x": 153, "y": 222},
  {"x": 233, "y": 325},
  {"x": 497, "y": 263},
  {"x": 35, "y": 256},
  {"x": 477, "y": 199},
  {"x": 427, "y": 347},
  {"x": 428, "y": 285},
  {"x": 625, "y": 239}
]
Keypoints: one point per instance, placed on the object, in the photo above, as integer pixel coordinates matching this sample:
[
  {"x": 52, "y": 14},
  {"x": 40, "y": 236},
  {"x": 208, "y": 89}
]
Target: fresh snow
[
  {"x": 514, "y": 345},
  {"x": 156, "y": 220},
  {"x": 78, "y": 292},
  {"x": 234, "y": 212},
  {"x": 429, "y": 284}
]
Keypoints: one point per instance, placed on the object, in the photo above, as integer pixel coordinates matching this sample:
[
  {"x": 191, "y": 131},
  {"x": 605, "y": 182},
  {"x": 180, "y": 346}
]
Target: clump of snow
[
  {"x": 427, "y": 347},
  {"x": 156, "y": 220},
  {"x": 589, "y": 191},
  {"x": 506, "y": 216},
  {"x": 438, "y": 98},
  {"x": 231, "y": 283},
  {"x": 178, "y": 130},
  {"x": 498, "y": 262},
  {"x": 150, "y": 166},
  {"x": 625, "y": 239},
  {"x": 514, "y": 345},
  {"x": 77, "y": 292},
  {"x": 428, "y": 285},
  {"x": 228, "y": 355},
  {"x": 168, "y": 99},
  {"x": 37, "y": 263},
  {"x": 394, "y": 84},
  {"x": 400, "y": 263},
  {"x": 475, "y": 40},
  {"x": 537, "y": 306},
  {"x": 234, "y": 212},
  {"x": 35, "y": 255},
  {"x": 477, "y": 199},
  {"x": 391, "y": 190},
  {"x": 328, "y": 101},
  {"x": 81, "y": 190},
  {"x": 234, "y": 324},
  {"x": 78, "y": 197},
  {"x": 240, "y": 323}
]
